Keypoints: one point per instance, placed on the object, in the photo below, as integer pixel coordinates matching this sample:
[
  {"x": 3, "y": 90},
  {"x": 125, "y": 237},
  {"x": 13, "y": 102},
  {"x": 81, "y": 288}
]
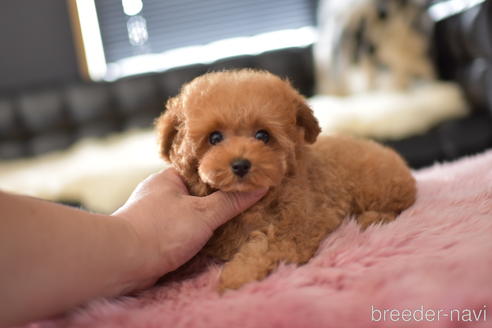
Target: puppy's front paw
[
  {"x": 249, "y": 264},
  {"x": 233, "y": 278},
  {"x": 370, "y": 217}
]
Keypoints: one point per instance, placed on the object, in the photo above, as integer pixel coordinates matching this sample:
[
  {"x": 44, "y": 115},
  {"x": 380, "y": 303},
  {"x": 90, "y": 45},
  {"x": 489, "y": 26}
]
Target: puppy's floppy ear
[
  {"x": 167, "y": 127},
  {"x": 305, "y": 118}
]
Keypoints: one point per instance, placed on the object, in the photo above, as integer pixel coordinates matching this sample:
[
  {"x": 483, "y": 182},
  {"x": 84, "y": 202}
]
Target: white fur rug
[
  {"x": 100, "y": 174},
  {"x": 390, "y": 114}
]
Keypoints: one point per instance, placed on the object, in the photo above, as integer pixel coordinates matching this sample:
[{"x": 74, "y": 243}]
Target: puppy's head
[{"x": 236, "y": 130}]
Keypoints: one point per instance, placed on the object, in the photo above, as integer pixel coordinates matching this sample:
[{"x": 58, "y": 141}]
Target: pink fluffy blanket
[{"x": 432, "y": 267}]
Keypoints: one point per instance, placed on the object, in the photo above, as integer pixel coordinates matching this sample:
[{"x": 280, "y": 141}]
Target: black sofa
[{"x": 48, "y": 118}]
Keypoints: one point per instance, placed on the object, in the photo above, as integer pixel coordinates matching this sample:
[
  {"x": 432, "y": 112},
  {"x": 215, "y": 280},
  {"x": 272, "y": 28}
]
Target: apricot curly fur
[{"x": 313, "y": 185}]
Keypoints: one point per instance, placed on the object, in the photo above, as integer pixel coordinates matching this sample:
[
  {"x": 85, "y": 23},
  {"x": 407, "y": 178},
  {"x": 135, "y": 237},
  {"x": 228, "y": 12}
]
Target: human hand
[{"x": 171, "y": 226}]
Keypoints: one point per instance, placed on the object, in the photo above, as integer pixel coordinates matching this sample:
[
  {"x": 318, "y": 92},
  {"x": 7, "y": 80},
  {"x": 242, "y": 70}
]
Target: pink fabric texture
[{"x": 435, "y": 258}]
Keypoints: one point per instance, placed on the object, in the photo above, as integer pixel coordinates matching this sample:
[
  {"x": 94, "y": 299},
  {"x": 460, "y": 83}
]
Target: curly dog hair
[{"x": 244, "y": 130}]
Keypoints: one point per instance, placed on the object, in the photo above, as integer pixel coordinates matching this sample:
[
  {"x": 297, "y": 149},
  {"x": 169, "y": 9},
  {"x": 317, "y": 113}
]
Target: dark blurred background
[
  {"x": 47, "y": 104},
  {"x": 37, "y": 46}
]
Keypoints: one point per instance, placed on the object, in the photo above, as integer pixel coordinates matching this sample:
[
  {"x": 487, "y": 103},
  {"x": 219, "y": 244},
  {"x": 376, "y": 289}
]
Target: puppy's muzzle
[{"x": 240, "y": 167}]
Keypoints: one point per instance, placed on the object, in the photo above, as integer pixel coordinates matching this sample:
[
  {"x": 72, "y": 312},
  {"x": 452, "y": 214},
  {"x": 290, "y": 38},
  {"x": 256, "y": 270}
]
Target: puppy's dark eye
[
  {"x": 215, "y": 137},
  {"x": 262, "y": 135}
]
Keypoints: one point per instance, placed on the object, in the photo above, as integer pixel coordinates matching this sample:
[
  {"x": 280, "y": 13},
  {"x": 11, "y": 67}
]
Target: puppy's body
[
  {"x": 340, "y": 176},
  {"x": 311, "y": 187}
]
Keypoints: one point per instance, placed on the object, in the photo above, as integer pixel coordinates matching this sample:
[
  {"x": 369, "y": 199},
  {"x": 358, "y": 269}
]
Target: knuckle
[
  {"x": 205, "y": 212},
  {"x": 200, "y": 206},
  {"x": 234, "y": 201}
]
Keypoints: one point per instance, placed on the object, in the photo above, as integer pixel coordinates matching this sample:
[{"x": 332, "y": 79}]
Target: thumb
[{"x": 226, "y": 205}]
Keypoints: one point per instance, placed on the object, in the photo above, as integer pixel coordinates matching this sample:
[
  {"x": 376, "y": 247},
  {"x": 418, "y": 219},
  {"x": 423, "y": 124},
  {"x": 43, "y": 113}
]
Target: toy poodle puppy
[{"x": 244, "y": 130}]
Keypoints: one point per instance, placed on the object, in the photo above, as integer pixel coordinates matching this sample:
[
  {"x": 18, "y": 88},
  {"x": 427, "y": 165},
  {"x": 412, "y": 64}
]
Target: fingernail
[{"x": 259, "y": 192}]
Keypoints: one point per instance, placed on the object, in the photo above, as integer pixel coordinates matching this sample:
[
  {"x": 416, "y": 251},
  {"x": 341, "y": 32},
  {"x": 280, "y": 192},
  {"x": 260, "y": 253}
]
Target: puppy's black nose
[{"x": 240, "y": 167}]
